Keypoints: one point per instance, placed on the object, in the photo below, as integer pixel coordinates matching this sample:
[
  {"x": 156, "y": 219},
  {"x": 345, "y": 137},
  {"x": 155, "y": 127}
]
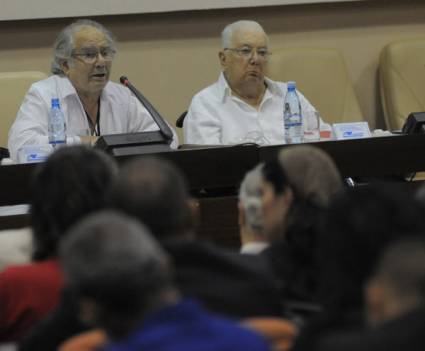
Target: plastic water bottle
[
  {"x": 292, "y": 116},
  {"x": 57, "y": 134}
]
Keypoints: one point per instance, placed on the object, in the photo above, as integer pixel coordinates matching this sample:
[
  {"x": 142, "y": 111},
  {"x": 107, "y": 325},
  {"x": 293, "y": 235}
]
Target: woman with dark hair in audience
[
  {"x": 68, "y": 186},
  {"x": 312, "y": 179},
  {"x": 357, "y": 228}
]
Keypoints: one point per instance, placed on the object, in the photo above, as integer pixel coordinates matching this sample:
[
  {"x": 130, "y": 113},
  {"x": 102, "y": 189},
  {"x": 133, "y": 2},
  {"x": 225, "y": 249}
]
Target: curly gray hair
[{"x": 64, "y": 44}]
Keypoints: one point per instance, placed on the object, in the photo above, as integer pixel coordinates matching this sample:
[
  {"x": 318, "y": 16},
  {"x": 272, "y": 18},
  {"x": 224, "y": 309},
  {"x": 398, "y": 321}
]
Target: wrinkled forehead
[
  {"x": 87, "y": 36},
  {"x": 249, "y": 37}
]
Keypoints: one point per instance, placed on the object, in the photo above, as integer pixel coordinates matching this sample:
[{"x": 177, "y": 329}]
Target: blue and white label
[
  {"x": 355, "y": 130},
  {"x": 34, "y": 153}
]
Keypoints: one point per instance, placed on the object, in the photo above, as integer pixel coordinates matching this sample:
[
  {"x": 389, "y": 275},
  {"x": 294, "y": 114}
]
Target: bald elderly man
[{"x": 243, "y": 105}]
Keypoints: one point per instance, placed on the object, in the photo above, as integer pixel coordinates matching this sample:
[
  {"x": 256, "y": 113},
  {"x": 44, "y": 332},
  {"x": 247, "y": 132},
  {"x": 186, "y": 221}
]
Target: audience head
[
  {"x": 312, "y": 174},
  {"x": 155, "y": 192},
  {"x": 69, "y": 185},
  {"x": 250, "y": 206},
  {"x": 398, "y": 284},
  {"x": 358, "y": 227},
  {"x": 83, "y": 52},
  {"x": 117, "y": 271},
  {"x": 307, "y": 177},
  {"x": 244, "y": 56}
]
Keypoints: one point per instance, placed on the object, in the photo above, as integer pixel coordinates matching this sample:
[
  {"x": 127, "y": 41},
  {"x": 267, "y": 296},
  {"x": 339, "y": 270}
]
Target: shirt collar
[
  {"x": 273, "y": 87},
  {"x": 68, "y": 89},
  {"x": 224, "y": 87},
  {"x": 254, "y": 247}
]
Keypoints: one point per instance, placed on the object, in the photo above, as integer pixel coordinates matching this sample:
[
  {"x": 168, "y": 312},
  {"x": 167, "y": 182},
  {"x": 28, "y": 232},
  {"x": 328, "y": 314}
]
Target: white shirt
[
  {"x": 216, "y": 116},
  {"x": 254, "y": 247},
  {"x": 120, "y": 112}
]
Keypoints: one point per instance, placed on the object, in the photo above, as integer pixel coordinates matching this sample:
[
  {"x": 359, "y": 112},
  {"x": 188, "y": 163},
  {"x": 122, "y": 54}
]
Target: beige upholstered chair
[
  {"x": 402, "y": 80},
  {"x": 322, "y": 76},
  {"x": 13, "y": 86}
]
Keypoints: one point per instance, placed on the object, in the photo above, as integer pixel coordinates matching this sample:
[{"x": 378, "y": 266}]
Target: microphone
[{"x": 163, "y": 127}]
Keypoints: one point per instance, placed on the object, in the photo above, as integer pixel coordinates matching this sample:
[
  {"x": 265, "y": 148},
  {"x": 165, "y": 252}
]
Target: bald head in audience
[{"x": 155, "y": 192}]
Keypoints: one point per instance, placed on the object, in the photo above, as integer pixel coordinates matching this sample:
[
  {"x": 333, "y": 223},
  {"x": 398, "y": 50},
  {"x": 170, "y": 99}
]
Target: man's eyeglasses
[
  {"x": 91, "y": 55},
  {"x": 247, "y": 52}
]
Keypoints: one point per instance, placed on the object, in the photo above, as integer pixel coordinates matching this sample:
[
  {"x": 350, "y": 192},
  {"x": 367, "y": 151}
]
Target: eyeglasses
[
  {"x": 91, "y": 55},
  {"x": 247, "y": 52}
]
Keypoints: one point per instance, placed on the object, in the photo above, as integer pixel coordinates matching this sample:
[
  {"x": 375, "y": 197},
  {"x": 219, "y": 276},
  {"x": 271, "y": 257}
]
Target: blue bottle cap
[
  {"x": 55, "y": 103},
  {"x": 291, "y": 85}
]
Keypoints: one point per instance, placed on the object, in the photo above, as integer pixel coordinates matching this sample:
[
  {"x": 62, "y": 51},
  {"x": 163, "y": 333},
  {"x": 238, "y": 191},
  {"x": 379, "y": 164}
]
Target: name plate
[
  {"x": 355, "y": 130},
  {"x": 34, "y": 153}
]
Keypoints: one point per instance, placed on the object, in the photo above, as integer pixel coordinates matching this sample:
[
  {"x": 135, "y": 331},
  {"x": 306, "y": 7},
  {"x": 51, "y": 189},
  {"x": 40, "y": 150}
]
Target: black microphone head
[{"x": 124, "y": 80}]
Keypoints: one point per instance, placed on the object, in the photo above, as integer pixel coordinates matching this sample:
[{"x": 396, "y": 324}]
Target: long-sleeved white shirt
[
  {"x": 120, "y": 112},
  {"x": 216, "y": 116}
]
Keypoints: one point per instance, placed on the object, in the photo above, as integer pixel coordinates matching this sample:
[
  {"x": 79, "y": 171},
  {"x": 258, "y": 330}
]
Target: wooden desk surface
[{"x": 218, "y": 171}]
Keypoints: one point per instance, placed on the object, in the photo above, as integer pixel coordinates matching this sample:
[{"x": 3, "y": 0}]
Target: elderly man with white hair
[
  {"x": 81, "y": 65},
  {"x": 243, "y": 105}
]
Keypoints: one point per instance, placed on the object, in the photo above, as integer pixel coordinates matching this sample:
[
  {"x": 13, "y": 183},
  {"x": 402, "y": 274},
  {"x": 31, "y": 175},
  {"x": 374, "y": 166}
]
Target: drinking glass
[
  {"x": 83, "y": 134},
  {"x": 311, "y": 126}
]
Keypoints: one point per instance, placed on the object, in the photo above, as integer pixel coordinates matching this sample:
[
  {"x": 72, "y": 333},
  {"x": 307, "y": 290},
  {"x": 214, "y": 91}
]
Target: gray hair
[
  {"x": 64, "y": 44},
  {"x": 114, "y": 260},
  {"x": 312, "y": 173},
  {"x": 230, "y": 29},
  {"x": 250, "y": 199}
]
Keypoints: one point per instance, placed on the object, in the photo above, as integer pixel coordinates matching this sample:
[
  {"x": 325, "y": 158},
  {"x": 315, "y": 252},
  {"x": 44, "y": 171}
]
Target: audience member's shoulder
[
  {"x": 23, "y": 272},
  {"x": 212, "y": 255},
  {"x": 197, "y": 251}
]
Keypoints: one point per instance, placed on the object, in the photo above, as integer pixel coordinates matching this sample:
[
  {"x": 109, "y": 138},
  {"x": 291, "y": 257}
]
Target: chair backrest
[
  {"x": 322, "y": 77},
  {"x": 13, "y": 86},
  {"x": 402, "y": 80}
]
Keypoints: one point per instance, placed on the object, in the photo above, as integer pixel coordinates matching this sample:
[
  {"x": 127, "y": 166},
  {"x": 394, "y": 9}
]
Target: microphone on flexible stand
[{"x": 163, "y": 127}]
